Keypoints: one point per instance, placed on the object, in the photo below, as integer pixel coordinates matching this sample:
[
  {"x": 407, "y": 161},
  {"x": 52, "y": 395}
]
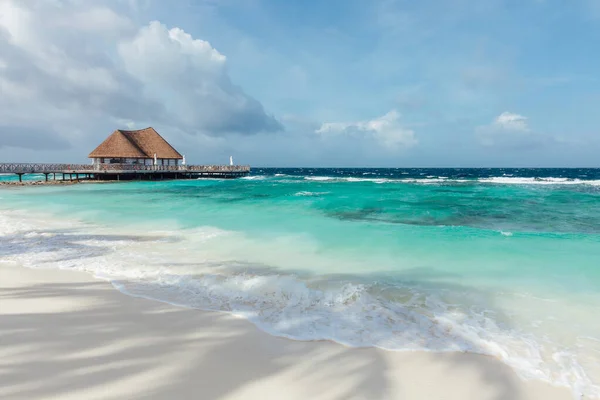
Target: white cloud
[
  {"x": 508, "y": 130},
  {"x": 511, "y": 122},
  {"x": 385, "y": 130},
  {"x": 70, "y": 69},
  {"x": 193, "y": 76},
  {"x": 159, "y": 53}
]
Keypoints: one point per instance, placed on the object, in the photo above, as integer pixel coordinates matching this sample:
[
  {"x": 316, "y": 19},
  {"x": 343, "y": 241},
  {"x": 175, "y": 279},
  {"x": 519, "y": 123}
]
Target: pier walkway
[{"x": 125, "y": 171}]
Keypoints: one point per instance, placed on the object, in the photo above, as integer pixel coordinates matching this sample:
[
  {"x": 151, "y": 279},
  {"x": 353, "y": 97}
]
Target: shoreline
[
  {"x": 65, "y": 334},
  {"x": 50, "y": 183},
  {"x": 37, "y": 183}
]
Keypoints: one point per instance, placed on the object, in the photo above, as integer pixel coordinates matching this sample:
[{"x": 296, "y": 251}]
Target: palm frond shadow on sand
[
  {"x": 104, "y": 340},
  {"x": 109, "y": 339}
]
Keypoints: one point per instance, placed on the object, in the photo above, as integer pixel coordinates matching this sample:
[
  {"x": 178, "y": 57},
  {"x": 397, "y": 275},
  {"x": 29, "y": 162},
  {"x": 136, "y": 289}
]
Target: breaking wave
[
  {"x": 310, "y": 194},
  {"x": 353, "y": 310},
  {"x": 504, "y": 180},
  {"x": 539, "y": 181}
]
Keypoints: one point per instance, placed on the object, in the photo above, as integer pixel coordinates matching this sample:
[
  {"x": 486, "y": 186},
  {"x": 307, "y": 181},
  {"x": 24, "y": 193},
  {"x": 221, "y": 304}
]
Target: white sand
[{"x": 66, "y": 335}]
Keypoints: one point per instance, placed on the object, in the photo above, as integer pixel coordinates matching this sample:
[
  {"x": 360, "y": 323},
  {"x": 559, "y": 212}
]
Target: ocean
[{"x": 502, "y": 262}]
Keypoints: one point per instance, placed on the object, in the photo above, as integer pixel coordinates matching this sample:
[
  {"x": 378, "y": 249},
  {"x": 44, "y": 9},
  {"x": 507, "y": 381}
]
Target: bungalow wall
[{"x": 138, "y": 161}]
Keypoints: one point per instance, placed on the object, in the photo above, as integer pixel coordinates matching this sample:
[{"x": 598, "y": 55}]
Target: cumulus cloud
[
  {"x": 512, "y": 122},
  {"x": 386, "y": 130},
  {"x": 193, "y": 75},
  {"x": 509, "y": 130},
  {"x": 72, "y": 69}
]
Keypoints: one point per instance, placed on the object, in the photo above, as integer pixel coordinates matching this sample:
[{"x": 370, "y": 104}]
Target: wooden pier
[{"x": 118, "y": 172}]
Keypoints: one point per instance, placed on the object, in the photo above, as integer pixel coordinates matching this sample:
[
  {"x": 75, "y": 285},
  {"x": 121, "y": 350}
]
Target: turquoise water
[
  {"x": 498, "y": 262},
  {"x": 24, "y": 178}
]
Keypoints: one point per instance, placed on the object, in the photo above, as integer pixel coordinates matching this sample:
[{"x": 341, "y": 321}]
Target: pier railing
[
  {"x": 32, "y": 168},
  {"x": 172, "y": 168}
]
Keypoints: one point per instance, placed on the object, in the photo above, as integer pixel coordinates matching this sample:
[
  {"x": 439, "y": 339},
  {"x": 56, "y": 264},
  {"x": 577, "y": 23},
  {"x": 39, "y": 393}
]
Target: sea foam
[
  {"x": 538, "y": 181},
  {"x": 310, "y": 194},
  {"x": 430, "y": 179},
  {"x": 178, "y": 267}
]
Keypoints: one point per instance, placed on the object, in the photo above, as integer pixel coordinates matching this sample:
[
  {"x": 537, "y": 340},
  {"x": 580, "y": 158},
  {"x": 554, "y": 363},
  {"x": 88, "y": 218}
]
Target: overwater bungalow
[
  {"x": 139, "y": 147},
  {"x": 130, "y": 155}
]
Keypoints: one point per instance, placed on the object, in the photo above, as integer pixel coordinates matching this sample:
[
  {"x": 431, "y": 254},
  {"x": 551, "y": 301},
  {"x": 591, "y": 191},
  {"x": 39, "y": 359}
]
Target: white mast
[
  {"x": 183, "y": 162},
  {"x": 230, "y": 160}
]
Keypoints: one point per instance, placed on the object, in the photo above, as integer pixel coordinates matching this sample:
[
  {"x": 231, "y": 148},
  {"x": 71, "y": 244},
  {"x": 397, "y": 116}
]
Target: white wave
[
  {"x": 353, "y": 179},
  {"x": 310, "y": 194},
  {"x": 443, "y": 179},
  {"x": 179, "y": 267},
  {"x": 374, "y": 180},
  {"x": 385, "y": 180},
  {"x": 538, "y": 181},
  {"x": 506, "y": 233},
  {"x": 255, "y": 178},
  {"x": 433, "y": 180},
  {"x": 319, "y": 178},
  {"x": 353, "y": 314}
]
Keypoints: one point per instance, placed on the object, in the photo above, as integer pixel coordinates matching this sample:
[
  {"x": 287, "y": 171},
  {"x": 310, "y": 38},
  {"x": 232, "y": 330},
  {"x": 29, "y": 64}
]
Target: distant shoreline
[{"x": 48, "y": 183}]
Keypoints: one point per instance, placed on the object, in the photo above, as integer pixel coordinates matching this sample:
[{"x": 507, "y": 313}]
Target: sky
[{"x": 331, "y": 83}]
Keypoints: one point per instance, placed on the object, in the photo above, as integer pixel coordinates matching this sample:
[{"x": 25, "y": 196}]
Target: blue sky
[{"x": 312, "y": 83}]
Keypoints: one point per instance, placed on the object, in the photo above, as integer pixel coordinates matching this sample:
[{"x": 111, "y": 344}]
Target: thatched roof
[{"x": 143, "y": 143}]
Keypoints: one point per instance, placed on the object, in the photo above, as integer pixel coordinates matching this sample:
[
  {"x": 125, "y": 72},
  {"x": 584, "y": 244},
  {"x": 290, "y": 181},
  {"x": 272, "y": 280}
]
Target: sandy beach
[
  {"x": 67, "y": 335},
  {"x": 299, "y": 200}
]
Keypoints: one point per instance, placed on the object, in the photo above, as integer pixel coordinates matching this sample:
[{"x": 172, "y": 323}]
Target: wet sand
[{"x": 66, "y": 335}]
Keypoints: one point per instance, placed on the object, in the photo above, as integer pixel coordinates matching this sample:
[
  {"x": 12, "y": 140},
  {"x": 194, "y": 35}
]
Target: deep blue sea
[{"x": 503, "y": 262}]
